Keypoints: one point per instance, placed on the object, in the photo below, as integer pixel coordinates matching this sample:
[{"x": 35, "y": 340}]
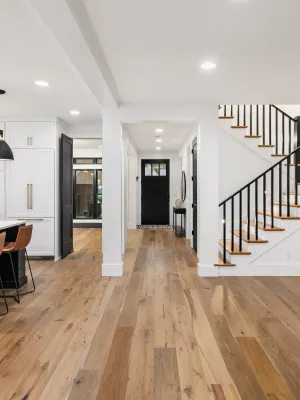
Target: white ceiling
[
  {"x": 152, "y": 48},
  {"x": 144, "y": 135},
  {"x": 29, "y": 53},
  {"x": 84, "y": 144}
]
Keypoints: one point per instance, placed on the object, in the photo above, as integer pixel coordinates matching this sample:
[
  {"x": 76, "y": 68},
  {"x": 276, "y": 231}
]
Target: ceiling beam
[{"x": 69, "y": 23}]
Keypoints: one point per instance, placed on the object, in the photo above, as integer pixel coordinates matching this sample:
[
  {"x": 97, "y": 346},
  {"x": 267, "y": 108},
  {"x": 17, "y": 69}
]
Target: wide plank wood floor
[{"x": 159, "y": 332}]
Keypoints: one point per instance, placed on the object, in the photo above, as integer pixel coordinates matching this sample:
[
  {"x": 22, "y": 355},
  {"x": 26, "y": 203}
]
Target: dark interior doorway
[
  {"x": 155, "y": 192},
  {"x": 66, "y": 190},
  {"x": 195, "y": 222}
]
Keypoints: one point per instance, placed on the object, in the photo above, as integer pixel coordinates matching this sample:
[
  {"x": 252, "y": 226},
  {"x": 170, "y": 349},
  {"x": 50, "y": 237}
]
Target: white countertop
[{"x": 10, "y": 224}]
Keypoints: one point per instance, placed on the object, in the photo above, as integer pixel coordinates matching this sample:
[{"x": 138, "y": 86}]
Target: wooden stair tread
[
  {"x": 252, "y": 237},
  {"x": 235, "y": 251},
  {"x": 292, "y": 165},
  {"x": 226, "y": 117},
  {"x": 239, "y": 127},
  {"x": 292, "y": 193},
  {"x": 285, "y": 204},
  {"x": 279, "y": 155},
  {"x": 268, "y": 214},
  {"x": 268, "y": 227},
  {"x": 252, "y": 136},
  {"x": 222, "y": 264},
  {"x": 266, "y": 145}
]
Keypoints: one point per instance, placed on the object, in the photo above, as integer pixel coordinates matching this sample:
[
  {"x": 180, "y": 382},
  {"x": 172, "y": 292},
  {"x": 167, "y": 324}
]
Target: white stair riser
[
  {"x": 277, "y": 222},
  {"x": 266, "y": 235},
  {"x": 292, "y": 198},
  {"x": 294, "y": 212}
]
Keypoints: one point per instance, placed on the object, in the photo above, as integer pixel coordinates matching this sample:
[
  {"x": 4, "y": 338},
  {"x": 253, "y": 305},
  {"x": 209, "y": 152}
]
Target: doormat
[{"x": 154, "y": 226}]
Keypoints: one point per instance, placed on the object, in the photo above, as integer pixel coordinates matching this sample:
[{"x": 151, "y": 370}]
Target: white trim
[
  {"x": 131, "y": 225},
  {"x": 271, "y": 269},
  {"x": 207, "y": 270},
  {"x": 112, "y": 269}
]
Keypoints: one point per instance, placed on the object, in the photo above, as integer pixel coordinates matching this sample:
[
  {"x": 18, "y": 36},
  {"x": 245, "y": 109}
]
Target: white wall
[
  {"x": 87, "y": 153},
  {"x": 2, "y": 181},
  {"x": 81, "y": 131},
  {"x": 292, "y": 110},
  {"x": 175, "y": 177}
]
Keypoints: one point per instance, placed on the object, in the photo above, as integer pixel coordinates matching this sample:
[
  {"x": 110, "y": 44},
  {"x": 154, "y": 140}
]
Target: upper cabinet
[{"x": 32, "y": 135}]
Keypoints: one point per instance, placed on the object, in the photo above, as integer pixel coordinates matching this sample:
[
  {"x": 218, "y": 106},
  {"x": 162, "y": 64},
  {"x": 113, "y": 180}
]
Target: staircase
[{"x": 266, "y": 211}]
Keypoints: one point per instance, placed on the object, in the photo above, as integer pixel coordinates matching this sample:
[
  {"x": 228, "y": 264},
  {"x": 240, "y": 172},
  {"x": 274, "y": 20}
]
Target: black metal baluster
[
  {"x": 276, "y": 132},
  {"x": 296, "y": 185},
  {"x": 251, "y": 120},
  {"x": 257, "y": 120},
  {"x": 270, "y": 124},
  {"x": 272, "y": 198},
  {"x": 288, "y": 185},
  {"x": 256, "y": 210},
  {"x": 244, "y": 114},
  {"x": 238, "y": 115},
  {"x": 248, "y": 212},
  {"x": 225, "y": 110},
  {"x": 280, "y": 189},
  {"x": 264, "y": 124},
  {"x": 265, "y": 200},
  {"x": 290, "y": 135},
  {"x": 283, "y": 132},
  {"x": 241, "y": 227},
  {"x": 231, "y": 110},
  {"x": 232, "y": 224},
  {"x": 224, "y": 233}
]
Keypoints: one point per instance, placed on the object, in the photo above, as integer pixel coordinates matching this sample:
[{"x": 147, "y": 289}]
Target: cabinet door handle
[
  {"x": 28, "y": 196},
  {"x": 31, "y": 142},
  {"x": 27, "y": 140},
  {"x": 30, "y": 219},
  {"x": 31, "y": 203}
]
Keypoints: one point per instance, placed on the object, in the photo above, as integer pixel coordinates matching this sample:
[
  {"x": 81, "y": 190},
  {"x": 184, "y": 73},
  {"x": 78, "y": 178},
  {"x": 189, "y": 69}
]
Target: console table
[{"x": 179, "y": 230}]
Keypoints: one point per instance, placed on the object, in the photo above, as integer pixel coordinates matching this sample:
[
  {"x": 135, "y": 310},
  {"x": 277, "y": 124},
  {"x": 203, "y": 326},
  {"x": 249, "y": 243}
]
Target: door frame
[
  {"x": 95, "y": 190},
  {"x": 156, "y": 161},
  {"x": 194, "y": 240}
]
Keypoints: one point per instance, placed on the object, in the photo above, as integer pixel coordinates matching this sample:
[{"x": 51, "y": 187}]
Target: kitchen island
[{"x": 11, "y": 228}]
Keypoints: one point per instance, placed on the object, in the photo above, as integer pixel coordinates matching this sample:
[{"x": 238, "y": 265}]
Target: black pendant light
[{"x": 5, "y": 150}]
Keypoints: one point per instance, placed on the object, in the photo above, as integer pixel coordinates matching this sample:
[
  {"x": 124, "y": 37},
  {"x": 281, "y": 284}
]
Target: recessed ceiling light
[
  {"x": 158, "y": 140},
  {"x": 158, "y": 148},
  {"x": 159, "y": 130},
  {"x": 74, "y": 112},
  {"x": 99, "y": 146},
  {"x": 208, "y": 65},
  {"x": 41, "y": 83}
]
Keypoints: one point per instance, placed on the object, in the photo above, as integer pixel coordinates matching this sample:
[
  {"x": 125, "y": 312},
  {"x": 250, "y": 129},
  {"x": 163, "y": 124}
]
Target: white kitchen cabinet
[
  {"x": 42, "y": 241},
  {"x": 30, "y": 184},
  {"x": 30, "y": 135}
]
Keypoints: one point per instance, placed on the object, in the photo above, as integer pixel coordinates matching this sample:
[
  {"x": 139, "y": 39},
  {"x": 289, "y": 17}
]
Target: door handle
[
  {"x": 30, "y": 219},
  {"x": 28, "y": 196},
  {"x": 194, "y": 205},
  {"x": 31, "y": 204},
  {"x": 31, "y": 140},
  {"x": 27, "y": 140}
]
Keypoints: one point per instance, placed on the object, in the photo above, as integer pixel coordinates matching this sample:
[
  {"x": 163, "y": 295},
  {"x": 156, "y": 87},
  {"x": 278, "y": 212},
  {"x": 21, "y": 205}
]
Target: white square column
[
  {"x": 112, "y": 193},
  {"x": 208, "y": 193}
]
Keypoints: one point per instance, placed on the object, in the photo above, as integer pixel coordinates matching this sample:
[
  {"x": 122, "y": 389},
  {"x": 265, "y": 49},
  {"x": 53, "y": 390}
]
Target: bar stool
[
  {"x": 2, "y": 241},
  {"x": 21, "y": 243}
]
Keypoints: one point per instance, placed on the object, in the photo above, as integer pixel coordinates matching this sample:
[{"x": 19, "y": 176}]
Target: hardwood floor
[{"x": 158, "y": 332}]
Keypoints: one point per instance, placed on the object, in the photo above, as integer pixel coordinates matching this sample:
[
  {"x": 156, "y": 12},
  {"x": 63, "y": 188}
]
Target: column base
[
  {"x": 207, "y": 270},
  {"x": 112, "y": 269}
]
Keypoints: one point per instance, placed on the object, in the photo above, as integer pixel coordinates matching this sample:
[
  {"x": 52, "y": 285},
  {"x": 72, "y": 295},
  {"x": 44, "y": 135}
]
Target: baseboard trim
[
  {"x": 207, "y": 270},
  {"x": 112, "y": 269},
  {"x": 271, "y": 269}
]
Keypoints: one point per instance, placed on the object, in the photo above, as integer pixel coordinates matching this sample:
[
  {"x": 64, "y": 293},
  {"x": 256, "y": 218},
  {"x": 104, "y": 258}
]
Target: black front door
[
  {"x": 155, "y": 192},
  {"x": 194, "y": 154},
  {"x": 66, "y": 190}
]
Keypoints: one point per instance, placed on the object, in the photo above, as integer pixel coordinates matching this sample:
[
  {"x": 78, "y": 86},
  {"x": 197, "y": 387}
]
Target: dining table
[{"x": 11, "y": 228}]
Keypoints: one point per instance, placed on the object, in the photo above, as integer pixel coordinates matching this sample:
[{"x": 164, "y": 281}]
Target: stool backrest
[
  {"x": 2, "y": 241},
  {"x": 23, "y": 238}
]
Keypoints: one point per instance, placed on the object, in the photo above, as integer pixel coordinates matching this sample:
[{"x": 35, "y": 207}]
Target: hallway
[{"x": 158, "y": 332}]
